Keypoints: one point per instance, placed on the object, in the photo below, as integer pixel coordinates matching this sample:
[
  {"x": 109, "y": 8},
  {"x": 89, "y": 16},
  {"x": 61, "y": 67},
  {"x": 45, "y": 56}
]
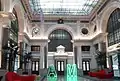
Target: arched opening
[
  {"x": 60, "y": 37},
  {"x": 113, "y": 28},
  {"x": 10, "y": 45},
  {"x": 113, "y": 37},
  {"x": 14, "y": 39}
]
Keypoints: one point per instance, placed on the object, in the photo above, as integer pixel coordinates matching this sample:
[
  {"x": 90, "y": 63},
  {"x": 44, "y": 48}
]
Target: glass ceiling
[{"x": 63, "y": 7}]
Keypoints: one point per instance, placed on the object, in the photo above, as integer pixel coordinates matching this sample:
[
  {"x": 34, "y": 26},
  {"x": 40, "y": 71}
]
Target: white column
[
  {"x": 93, "y": 63},
  {"x": 0, "y": 44},
  {"x": 41, "y": 57},
  {"x": 42, "y": 31},
  {"x": 29, "y": 66},
  {"x": 47, "y": 56},
  {"x": 79, "y": 57},
  {"x": 73, "y": 57}
]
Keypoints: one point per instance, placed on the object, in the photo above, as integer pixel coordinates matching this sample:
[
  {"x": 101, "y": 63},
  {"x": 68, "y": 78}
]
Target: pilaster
[
  {"x": 93, "y": 63},
  {"x": 1, "y": 35},
  {"x": 79, "y": 54},
  {"x": 5, "y": 19},
  {"x": 79, "y": 57},
  {"x": 42, "y": 57}
]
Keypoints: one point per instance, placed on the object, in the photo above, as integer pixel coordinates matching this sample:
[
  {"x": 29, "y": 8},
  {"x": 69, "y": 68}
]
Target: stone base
[
  {"x": 29, "y": 72},
  {"x": 80, "y": 72},
  {"x": 20, "y": 71},
  {"x": 42, "y": 72},
  {"x": 2, "y": 73}
]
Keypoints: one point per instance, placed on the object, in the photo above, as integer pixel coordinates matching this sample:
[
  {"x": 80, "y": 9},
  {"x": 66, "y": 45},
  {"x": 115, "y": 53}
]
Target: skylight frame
[{"x": 85, "y": 9}]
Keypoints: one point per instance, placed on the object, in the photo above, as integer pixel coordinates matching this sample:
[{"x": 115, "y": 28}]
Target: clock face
[{"x": 35, "y": 31}]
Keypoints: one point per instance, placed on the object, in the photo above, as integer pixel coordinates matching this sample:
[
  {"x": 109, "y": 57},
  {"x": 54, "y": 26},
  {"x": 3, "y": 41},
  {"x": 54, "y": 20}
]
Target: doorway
[
  {"x": 60, "y": 66},
  {"x": 35, "y": 67},
  {"x": 86, "y": 67}
]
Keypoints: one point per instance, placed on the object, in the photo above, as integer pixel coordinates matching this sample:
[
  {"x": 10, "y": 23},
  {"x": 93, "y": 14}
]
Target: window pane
[
  {"x": 85, "y": 48},
  {"x": 84, "y": 66},
  {"x": 87, "y": 63},
  {"x": 58, "y": 66},
  {"x": 64, "y": 7},
  {"x": 16, "y": 63},
  {"x": 62, "y": 66},
  {"x": 60, "y": 37},
  {"x": 33, "y": 66},
  {"x": 113, "y": 28},
  {"x": 35, "y": 48},
  {"x": 37, "y": 66}
]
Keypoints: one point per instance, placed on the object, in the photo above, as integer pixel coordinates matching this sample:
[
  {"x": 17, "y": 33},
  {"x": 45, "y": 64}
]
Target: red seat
[
  {"x": 27, "y": 78},
  {"x": 11, "y": 76},
  {"x": 101, "y": 74}
]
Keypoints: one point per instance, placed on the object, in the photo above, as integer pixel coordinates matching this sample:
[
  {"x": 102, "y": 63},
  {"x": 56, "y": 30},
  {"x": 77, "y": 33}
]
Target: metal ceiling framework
[
  {"x": 53, "y": 9},
  {"x": 63, "y": 7}
]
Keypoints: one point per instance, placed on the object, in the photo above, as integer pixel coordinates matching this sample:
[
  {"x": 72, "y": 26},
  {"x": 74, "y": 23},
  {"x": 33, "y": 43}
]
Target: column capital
[
  {"x": 6, "y": 16},
  {"x": 42, "y": 45},
  {"x": 77, "y": 45}
]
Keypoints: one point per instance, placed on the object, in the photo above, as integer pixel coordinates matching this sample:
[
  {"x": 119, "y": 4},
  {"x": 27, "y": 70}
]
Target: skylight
[{"x": 63, "y": 7}]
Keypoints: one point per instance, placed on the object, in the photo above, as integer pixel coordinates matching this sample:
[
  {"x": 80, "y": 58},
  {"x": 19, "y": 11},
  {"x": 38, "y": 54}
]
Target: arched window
[
  {"x": 60, "y": 37},
  {"x": 113, "y": 28},
  {"x": 14, "y": 29},
  {"x": 14, "y": 38}
]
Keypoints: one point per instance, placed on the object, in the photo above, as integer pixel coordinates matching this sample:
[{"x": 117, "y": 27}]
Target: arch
[
  {"x": 64, "y": 27},
  {"x": 61, "y": 31},
  {"x": 106, "y": 14},
  {"x": 19, "y": 16},
  {"x": 60, "y": 37},
  {"x": 113, "y": 28}
]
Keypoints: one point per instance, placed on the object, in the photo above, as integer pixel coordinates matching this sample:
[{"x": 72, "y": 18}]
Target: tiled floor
[
  {"x": 96, "y": 79},
  {"x": 85, "y": 78}
]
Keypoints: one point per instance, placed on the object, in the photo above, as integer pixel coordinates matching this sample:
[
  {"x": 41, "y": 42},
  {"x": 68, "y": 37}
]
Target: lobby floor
[
  {"x": 96, "y": 79},
  {"x": 85, "y": 78}
]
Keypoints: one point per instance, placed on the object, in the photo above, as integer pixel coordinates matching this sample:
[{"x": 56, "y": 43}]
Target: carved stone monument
[
  {"x": 52, "y": 75},
  {"x": 71, "y": 74}
]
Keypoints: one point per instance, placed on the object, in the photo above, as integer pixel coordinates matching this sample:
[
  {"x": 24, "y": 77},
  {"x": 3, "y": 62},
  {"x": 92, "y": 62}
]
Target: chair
[
  {"x": 11, "y": 76},
  {"x": 101, "y": 74}
]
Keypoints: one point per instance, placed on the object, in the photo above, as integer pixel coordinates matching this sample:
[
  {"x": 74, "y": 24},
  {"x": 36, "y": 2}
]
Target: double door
[
  {"x": 35, "y": 67},
  {"x": 86, "y": 67},
  {"x": 60, "y": 66}
]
